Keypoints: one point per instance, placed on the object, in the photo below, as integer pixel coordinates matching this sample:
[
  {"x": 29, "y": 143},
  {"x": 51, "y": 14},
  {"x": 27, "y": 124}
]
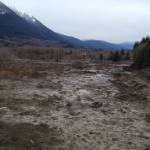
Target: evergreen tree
[
  {"x": 141, "y": 53},
  {"x": 116, "y": 56},
  {"x": 127, "y": 57},
  {"x": 101, "y": 57}
]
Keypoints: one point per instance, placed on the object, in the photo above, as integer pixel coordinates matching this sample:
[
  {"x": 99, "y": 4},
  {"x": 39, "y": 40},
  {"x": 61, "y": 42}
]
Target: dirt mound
[{"x": 130, "y": 89}]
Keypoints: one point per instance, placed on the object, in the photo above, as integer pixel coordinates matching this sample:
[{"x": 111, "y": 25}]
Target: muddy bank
[
  {"x": 25, "y": 136},
  {"x": 79, "y": 109}
]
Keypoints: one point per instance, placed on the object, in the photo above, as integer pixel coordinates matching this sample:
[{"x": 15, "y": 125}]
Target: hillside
[{"x": 13, "y": 25}]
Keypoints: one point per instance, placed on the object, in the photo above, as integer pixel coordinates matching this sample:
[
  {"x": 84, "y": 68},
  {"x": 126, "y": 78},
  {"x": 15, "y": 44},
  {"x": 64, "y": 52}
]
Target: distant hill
[
  {"x": 107, "y": 45},
  {"x": 21, "y": 26},
  {"x": 127, "y": 45},
  {"x": 98, "y": 44}
]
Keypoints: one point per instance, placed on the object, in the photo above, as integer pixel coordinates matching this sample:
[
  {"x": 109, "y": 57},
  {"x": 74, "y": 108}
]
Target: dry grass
[
  {"x": 31, "y": 70},
  {"x": 14, "y": 70},
  {"x": 31, "y": 61},
  {"x": 8, "y": 66},
  {"x": 6, "y": 56}
]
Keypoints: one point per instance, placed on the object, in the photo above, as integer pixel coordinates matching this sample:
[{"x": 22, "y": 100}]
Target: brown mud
[{"x": 80, "y": 109}]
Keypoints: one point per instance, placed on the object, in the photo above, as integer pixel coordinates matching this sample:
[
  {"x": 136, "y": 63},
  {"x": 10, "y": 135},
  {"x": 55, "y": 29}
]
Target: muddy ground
[{"x": 95, "y": 108}]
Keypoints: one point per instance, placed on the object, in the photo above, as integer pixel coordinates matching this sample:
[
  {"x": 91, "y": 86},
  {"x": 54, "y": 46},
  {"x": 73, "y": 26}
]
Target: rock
[
  {"x": 114, "y": 139},
  {"x": 89, "y": 72},
  {"x": 147, "y": 118},
  {"x": 49, "y": 85},
  {"x": 69, "y": 104},
  {"x": 37, "y": 74},
  {"x": 96, "y": 105}
]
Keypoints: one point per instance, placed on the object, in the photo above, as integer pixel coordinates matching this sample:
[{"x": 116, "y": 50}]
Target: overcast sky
[{"x": 111, "y": 20}]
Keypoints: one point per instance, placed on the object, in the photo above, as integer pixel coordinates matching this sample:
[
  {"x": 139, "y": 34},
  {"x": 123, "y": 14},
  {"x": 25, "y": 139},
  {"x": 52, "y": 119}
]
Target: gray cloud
[{"x": 111, "y": 20}]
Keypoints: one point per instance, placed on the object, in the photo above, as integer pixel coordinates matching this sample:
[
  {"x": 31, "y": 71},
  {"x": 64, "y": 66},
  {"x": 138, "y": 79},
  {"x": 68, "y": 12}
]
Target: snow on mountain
[
  {"x": 20, "y": 25},
  {"x": 2, "y": 11},
  {"x": 25, "y": 16}
]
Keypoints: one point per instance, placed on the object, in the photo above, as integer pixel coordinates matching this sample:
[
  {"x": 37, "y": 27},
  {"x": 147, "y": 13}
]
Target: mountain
[
  {"x": 13, "y": 25},
  {"x": 98, "y": 44},
  {"x": 16, "y": 25},
  {"x": 127, "y": 45},
  {"x": 102, "y": 45}
]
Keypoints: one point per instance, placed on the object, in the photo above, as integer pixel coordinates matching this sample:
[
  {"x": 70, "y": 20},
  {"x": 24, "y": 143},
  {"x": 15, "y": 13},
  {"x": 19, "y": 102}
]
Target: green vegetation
[{"x": 141, "y": 53}]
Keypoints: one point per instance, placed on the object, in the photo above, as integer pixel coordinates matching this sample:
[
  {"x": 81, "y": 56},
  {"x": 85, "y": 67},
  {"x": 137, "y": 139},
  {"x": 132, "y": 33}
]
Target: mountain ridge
[{"x": 23, "y": 26}]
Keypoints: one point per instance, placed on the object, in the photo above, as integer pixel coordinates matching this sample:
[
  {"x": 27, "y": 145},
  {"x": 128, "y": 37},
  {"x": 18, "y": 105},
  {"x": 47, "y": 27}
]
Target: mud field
[{"x": 80, "y": 109}]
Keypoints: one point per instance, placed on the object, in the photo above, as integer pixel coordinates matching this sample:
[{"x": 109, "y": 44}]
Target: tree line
[
  {"x": 141, "y": 53},
  {"x": 116, "y": 56}
]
